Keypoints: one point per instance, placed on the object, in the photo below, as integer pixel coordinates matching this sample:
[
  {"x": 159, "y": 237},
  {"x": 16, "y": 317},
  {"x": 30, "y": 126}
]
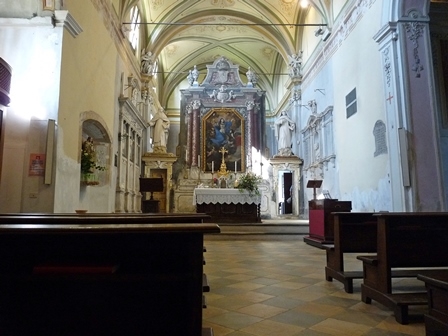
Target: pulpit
[
  {"x": 228, "y": 205},
  {"x": 321, "y": 220}
]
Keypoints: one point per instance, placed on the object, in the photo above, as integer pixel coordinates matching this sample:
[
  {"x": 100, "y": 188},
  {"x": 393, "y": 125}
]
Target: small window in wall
[
  {"x": 350, "y": 103},
  {"x": 134, "y": 34},
  {"x": 379, "y": 133}
]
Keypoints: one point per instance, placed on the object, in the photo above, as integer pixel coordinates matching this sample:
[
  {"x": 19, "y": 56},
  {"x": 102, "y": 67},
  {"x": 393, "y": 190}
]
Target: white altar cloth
[{"x": 221, "y": 196}]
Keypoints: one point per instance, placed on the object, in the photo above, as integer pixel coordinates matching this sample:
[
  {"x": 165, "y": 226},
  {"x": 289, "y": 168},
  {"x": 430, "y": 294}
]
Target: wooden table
[{"x": 102, "y": 279}]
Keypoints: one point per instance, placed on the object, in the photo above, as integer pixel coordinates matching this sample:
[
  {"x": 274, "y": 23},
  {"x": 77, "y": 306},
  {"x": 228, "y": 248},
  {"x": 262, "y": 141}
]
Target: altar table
[{"x": 228, "y": 205}]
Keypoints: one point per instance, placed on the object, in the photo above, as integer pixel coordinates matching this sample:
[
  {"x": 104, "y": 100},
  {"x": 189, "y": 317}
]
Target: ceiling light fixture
[{"x": 304, "y": 3}]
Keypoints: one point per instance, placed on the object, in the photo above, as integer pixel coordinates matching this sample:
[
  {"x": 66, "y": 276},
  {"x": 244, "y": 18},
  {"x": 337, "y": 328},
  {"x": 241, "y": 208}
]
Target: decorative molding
[
  {"x": 65, "y": 19},
  {"x": 415, "y": 31}
]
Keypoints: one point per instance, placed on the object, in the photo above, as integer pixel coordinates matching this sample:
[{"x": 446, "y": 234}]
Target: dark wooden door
[{"x": 287, "y": 184}]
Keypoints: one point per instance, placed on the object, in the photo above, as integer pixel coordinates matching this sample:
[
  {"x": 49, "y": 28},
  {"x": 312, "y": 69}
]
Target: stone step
[{"x": 277, "y": 227}]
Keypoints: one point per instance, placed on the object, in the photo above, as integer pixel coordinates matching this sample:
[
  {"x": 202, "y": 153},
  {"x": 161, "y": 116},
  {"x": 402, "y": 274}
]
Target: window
[
  {"x": 350, "y": 103},
  {"x": 135, "y": 27}
]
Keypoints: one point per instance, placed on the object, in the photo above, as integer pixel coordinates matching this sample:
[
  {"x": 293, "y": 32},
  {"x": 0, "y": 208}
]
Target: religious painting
[{"x": 223, "y": 141}]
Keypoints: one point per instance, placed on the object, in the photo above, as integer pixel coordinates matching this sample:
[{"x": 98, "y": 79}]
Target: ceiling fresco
[{"x": 259, "y": 34}]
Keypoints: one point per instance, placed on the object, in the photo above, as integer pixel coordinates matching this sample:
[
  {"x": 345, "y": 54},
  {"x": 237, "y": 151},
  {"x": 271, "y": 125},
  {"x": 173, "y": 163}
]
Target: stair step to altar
[{"x": 271, "y": 227}]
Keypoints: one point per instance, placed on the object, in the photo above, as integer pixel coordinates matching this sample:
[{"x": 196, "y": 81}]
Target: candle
[
  {"x": 235, "y": 167},
  {"x": 213, "y": 167},
  {"x": 199, "y": 160}
]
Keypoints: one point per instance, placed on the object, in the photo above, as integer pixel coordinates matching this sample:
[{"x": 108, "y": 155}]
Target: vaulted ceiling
[{"x": 259, "y": 34}]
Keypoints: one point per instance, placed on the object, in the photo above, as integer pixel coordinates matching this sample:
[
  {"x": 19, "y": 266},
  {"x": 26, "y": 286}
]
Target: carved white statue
[
  {"x": 251, "y": 78},
  {"x": 147, "y": 63},
  {"x": 195, "y": 74},
  {"x": 190, "y": 78},
  {"x": 295, "y": 64},
  {"x": 161, "y": 126},
  {"x": 284, "y": 127}
]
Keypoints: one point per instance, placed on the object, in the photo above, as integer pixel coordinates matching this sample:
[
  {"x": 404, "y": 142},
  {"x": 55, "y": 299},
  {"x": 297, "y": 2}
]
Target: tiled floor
[{"x": 274, "y": 285}]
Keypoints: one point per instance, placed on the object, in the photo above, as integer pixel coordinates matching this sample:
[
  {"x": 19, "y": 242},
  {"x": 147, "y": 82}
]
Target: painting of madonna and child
[{"x": 223, "y": 133}]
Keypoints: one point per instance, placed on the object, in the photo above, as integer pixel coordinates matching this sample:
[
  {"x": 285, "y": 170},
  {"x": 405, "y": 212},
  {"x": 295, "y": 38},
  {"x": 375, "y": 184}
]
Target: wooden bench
[
  {"x": 103, "y": 218},
  {"x": 413, "y": 242},
  {"x": 102, "y": 279},
  {"x": 353, "y": 232},
  {"x": 436, "y": 321},
  {"x": 106, "y": 218}
]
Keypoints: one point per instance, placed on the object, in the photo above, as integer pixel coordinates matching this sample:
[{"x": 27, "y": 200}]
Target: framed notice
[{"x": 37, "y": 165}]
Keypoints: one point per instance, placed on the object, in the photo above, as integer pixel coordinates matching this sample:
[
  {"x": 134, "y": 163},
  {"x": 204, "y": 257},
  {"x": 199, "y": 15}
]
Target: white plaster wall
[
  {"x": 89, "y": 81},
  {"x": 32, "y": 48},
  {"x": 357, "y": 176}
]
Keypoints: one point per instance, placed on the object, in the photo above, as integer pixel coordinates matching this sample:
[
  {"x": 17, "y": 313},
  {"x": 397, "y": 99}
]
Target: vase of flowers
[
  {"x": 249, "y": 182},
  {"x": 89, "y": 164}
]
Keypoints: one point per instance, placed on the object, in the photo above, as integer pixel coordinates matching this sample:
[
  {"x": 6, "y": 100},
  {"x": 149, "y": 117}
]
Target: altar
[{"x": 228, "y": 205}]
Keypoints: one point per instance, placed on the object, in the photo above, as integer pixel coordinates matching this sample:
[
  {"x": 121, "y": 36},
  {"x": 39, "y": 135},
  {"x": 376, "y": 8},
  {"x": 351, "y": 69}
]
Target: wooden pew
[
  {"x": 353, "y": 232},
  {"x": 102, "y": 279},
  {"x": 436, "y": 321},
  {"x": 404, "y": 241},
  {"x": 103, "y": 218}
]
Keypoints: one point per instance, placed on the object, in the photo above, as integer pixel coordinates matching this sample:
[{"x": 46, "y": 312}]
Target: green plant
[
  {"x": 249, "y": 181},
  {"x": 88, "y": 159}
]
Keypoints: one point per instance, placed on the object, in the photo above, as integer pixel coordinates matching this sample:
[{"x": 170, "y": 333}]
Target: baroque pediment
[{"x": 222, "y": 72}]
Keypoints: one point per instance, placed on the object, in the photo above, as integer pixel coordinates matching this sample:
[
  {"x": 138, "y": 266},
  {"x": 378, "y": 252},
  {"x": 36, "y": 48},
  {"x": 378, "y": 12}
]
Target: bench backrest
[
  {"x": 102, "y": 218},
  {"x": 412, "y": 239},
  {"x": 354, "y": 231}
]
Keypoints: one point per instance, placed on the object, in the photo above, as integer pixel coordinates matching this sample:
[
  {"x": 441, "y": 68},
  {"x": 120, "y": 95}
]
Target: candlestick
[
  {"x": 213, "y": 167},
  {"x": 199, "y": 160}
]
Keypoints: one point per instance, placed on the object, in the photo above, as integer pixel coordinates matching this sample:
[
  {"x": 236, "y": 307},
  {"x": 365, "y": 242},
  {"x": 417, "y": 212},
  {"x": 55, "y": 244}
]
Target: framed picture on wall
[
  {"x": 48, "y": 4},
  {"x": 223, "y": 134}
]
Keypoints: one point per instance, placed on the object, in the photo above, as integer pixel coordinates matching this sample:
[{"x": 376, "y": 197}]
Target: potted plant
[{"x": 249, "y": 182}]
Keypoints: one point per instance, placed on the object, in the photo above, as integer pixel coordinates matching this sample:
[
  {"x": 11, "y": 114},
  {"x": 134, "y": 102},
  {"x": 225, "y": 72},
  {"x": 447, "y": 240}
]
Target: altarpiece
[{"x": 222, "y": 123}]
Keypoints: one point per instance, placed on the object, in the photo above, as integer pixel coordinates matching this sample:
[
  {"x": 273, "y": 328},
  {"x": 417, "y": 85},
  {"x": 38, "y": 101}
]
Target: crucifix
[
  {"x": 223, "y": 168},
  {"x": 389, "y": 98}
]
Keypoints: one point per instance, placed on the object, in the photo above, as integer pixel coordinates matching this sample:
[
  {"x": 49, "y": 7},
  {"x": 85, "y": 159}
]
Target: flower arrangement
[
  {"x": 88, "y": 162},
  {"x": 249, "y": 181}
]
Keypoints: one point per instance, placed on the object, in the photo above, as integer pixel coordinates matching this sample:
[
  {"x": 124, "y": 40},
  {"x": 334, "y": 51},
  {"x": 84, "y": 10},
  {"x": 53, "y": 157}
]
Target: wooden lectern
[
  {"x": 150, "y": 184},
  {"x": 320, "y": 218}
]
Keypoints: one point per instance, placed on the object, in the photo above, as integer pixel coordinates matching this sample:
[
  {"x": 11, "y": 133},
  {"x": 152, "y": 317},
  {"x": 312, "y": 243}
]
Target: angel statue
[
  {"x": 147, "y": 63},
  {"x": 295, "y": 64}
]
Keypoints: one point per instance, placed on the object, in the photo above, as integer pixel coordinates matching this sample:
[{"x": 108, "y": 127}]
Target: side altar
[{"x": 228, "y": 205}]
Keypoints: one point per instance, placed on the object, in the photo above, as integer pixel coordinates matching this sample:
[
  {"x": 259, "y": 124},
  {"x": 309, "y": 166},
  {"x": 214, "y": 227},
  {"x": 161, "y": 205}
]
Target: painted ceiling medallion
[
  {"x": 286, "y": 4},
  {"x": 156, "y": 3},
  {"x": 171, "y": 49},
  {"x": 223, "y": 3}
]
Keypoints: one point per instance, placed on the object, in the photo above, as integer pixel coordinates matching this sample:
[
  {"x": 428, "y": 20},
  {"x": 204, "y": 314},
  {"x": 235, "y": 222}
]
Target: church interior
[{"x": 131, "y": 107}]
